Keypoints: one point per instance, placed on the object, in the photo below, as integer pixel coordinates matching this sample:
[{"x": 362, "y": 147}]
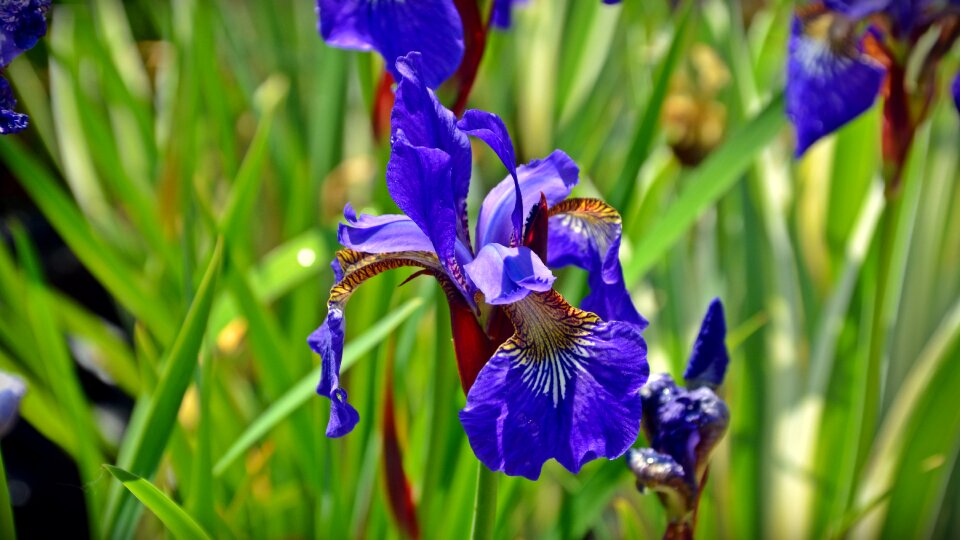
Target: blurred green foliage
[{"x": 195, "y": 155}]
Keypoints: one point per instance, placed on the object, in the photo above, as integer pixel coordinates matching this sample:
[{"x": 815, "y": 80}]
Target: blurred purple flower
[
  {"x": 840, "y": 60},
  {"x": 543, "y": 379},
  {"x": 12, "y": 390},
  {"x": 22, "y": 23},
  {"x": 394, "y": 29},
  {"x": 684, "y": 425}
]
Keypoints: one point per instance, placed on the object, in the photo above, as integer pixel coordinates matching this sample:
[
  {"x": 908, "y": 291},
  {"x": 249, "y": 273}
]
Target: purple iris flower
[
  {"x": 22, "y": 23},
  {"x": 560, "y": 382},
  {"x": 839, "y": 59},
  {"x": 502, "y": 16},
  {"x": 684, "y": 425},
  {"x": 830, "y": 80},
  {"x": 12, "y": 389},
  {"x": 394, "y": 28}
]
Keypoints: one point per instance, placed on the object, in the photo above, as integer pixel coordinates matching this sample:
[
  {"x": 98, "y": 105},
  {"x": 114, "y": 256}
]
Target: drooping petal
[
  {"x": 327, "y": 340},
  {"x": 381, "y": 234},
  {"x": 22, "y": 24},
  {"x": 507, "y": 274},
  {"x": 394, "y": 29},
  {"x": 554, "y": 176},
  {"x": 565, "y": 386},
  {"x": 708, "y": 361},
  {"x": 428, "y": 175},
  {"x": 490, "y": 129},
  {"x": 10, "y": 120},
  {"x": 829, "y": 81},
  {"x": 586, "y": 233},
  {"x": 12, "y": 390},
  {"x": 611, "y": 300}
]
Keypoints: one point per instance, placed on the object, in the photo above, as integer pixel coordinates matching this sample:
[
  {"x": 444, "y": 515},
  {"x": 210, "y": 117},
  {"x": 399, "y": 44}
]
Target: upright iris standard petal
[
  {"x": 565, "y": 386},
  {"x": 418, "y": 179},
  {"x": 352, "y": 269},
  {"x": 708, "y": 362},
  {"x": 12, "y": 390},
  {"x": 586, "y": 233},
  {"x": 507, "y": 274},
  {"x": 554, "y": 176},
  {"x": 381, "y": 234},
  {"x": 10, "y": 120},
  {"x": 428, "y": 175},
  {"x": 490, "y": 129},
  {"x": 395, "y": 28},
  {"x": 829, "y": 80}
]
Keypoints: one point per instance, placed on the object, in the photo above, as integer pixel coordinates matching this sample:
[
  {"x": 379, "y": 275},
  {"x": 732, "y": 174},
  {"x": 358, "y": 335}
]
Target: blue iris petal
[
  {"x": 587, "y": 233},
  {"x": 709, "y": 359},
  {"x": 554, "y": 176},
  {"x": 10, "y": 120},
  {"x": 12, "y": 390},
  {"x": 327, "y": 341},
  {"x": 490, "y": 129},
  {"x": 507, "y": 274},
  {"x": 395, "y": 29},
  {"x": 22, "y": 24},
  {"x": 429, "y": 171},
  {"x": 381, "y": 234},
  {"x": 826, "y": 88},
  {"x": 565, "y": 386}
]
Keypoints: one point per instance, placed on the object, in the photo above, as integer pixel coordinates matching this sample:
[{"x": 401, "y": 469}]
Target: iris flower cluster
[
  {"x": 543, "y": 379},
  {"x": 684, "y": 425},
  {"x": 843, "y": 54},
  {"x": 22, "y": 23}
]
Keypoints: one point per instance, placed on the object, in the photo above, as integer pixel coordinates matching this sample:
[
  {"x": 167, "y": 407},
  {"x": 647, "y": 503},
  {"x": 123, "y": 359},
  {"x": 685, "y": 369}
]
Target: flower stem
[
  {"x": 878, "y": 331},
  {"x": 485, "y": 505}
]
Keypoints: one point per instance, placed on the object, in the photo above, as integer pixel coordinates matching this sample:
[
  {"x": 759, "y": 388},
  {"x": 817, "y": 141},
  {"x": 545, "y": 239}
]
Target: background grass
[{"x": 195, "y": 155}]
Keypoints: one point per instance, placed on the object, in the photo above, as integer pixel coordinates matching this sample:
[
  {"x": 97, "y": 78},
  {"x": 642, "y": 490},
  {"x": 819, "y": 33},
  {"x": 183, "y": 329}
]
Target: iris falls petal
[
  {"x": 565, "y": 386},
  {"x": 395, "y": 28},
  {"x": 829, "y": 79},
  {"x": 381, "y": 234},
  {"x": 586, "y": 233},
  {"x": 352, "y": 269}
]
